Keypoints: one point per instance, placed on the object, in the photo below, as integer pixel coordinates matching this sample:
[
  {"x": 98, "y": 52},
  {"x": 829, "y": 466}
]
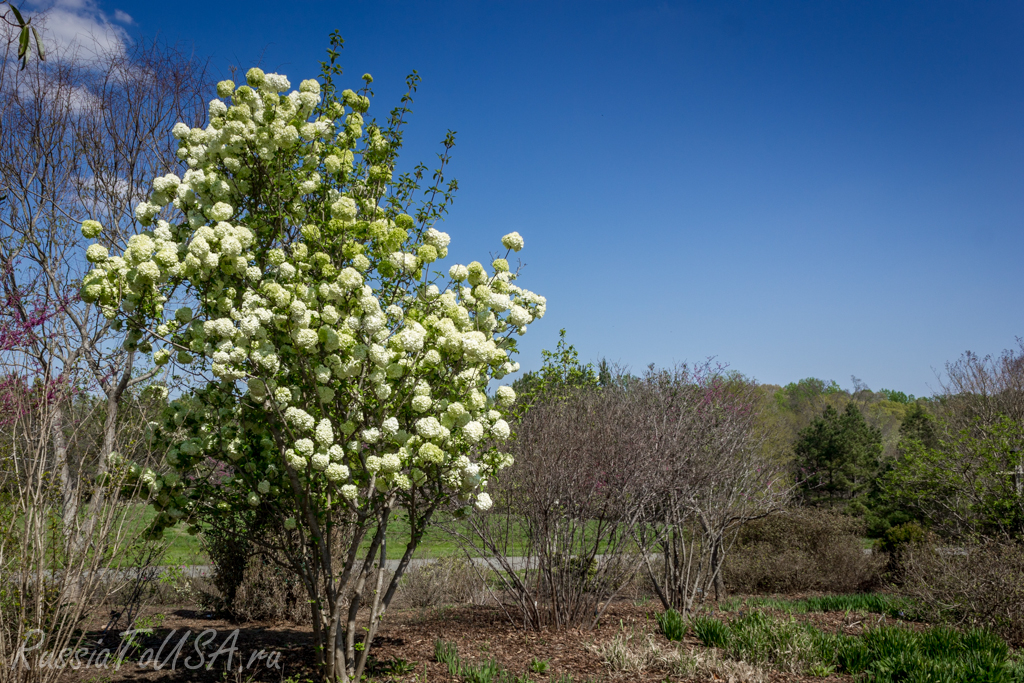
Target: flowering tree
[{"x": 338, "y": 379}]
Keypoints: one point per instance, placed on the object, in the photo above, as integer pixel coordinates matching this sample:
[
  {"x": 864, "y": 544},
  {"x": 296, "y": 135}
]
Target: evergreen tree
[{"x": 837, "y": 456}]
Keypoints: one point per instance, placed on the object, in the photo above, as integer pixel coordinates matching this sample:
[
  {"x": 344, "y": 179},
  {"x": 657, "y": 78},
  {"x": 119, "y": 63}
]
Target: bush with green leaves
[{"x": 337, "y": 378}]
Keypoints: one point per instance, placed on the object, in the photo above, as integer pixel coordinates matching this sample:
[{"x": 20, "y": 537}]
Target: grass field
[{"x": 184, "y": 549}]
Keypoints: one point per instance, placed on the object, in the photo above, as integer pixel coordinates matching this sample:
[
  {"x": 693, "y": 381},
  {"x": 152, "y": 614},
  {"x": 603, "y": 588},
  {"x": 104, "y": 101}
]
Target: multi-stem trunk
[{"x": 69, "y": 484}]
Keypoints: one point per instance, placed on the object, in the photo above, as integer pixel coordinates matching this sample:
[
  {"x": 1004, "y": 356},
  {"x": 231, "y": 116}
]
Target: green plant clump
[
  {"x": 711, "y": 632},
  {"x": 885, "y": 654},
  {"x": 672, "y": 624}
]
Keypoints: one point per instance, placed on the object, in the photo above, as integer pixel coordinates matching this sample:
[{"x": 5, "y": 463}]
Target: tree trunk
[
  {"x": 69, "y": 484},
  {"x": 717, "y": 558}
]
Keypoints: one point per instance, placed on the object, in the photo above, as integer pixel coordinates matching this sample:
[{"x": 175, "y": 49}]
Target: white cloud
[
  {"x": 122, "y": 17},
  {"x": 80, "y": 26}
]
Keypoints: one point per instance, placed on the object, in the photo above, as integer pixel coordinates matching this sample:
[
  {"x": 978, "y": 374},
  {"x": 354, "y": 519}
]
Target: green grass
[
  {"x": 181, "y": 547},
  {"x": 184, "y": 549},
  {"x": 436, "y": 542}
]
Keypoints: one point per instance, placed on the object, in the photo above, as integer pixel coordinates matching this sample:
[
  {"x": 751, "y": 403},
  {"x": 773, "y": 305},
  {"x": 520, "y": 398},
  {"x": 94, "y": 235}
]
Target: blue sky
[{"x": 798, "y": 189}]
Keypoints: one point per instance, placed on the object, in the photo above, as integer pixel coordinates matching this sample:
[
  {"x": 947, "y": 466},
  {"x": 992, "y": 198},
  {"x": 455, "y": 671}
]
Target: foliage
[
  {"x": 885, "y": 653},
  {"x": 337, "y": 378},
  {"x": 966, "y": 485},
  {"x": 672, "y": 624},
  {"x": 710, "y": 631},
  {"x": 561, "y": 374},
  {"x": 26, "y": 33},
  {"x": 836, "y": 456},
  {"x": 892, "y": 606}
]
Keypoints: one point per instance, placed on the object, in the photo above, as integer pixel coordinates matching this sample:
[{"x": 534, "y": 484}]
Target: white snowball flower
[
  {"x": 500, "y": 430},
  {"x": 390, "y": 462},
  {"x": 336, "y": 472},
  {"x": 304, "y": 447},
  {"x": 221, "y": 211},
  {"x": 436, "y": 238},
  {"x": 325, "y": 432},
  {"x": 473, "y": 431},
  {"x": 91, "y": 229},
  {"x": 483, "y": 501},
  {"x": 321, "y": 461},
  {"x": 513, "y": 241},
  {"x": 96, "y": 253},
  {"x": 505, "y": 395},
  {"x": 299, "y": 418},
  {"x": 429, "y": 428}
]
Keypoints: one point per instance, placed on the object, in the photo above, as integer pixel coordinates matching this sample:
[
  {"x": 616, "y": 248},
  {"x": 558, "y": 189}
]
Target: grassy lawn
[
  {"x": 181, "y": 547},
  {"x": 184, "y": 549}
]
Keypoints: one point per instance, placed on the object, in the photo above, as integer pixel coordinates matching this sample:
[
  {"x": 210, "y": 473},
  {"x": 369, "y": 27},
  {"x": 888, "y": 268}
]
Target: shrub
[
  {"x": 900, "y": 536},
  {"x": 445, "y": 581},
  {"x": 802, "y": 549},
  {"x": 979, "y": 585},
  {"x": 293, "y": 298},
  {"x": 268, "y": 592}
]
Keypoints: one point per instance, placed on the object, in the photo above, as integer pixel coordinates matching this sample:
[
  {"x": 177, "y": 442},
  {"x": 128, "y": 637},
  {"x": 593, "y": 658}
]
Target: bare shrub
[
  {"x": 977, "y": 390},
  {"x": 712, "y": 477},
  {"x": 567, "y": 513},
  {"x": 979, "y": 584},
  {"x": 268, "y": 592},
  {"x": 181, "y": 585},
  {"x": 52, "y": 575},
  {"x": 802, "y": 549},
  {"x": 445, "y": 581}
]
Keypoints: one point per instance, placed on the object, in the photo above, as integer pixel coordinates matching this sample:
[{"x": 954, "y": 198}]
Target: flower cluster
[{"x": 340, "y": 361}]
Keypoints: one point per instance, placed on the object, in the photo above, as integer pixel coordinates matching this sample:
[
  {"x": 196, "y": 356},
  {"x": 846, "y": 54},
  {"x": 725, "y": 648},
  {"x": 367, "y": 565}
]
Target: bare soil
[{"x": 407, "y": 636}]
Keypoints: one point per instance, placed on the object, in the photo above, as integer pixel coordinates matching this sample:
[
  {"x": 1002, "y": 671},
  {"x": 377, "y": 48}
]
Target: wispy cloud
[{"x": 80, "y": 25}]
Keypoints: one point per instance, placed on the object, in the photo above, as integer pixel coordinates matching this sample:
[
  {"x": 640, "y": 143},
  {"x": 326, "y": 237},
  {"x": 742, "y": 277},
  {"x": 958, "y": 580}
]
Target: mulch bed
[{"x": 408, "y": 635}]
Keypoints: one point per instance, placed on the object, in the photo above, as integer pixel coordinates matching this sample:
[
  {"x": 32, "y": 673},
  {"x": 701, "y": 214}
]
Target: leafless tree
[
  {"x": 562, "y": 533},
  {"x": 980, "y": 389},
  {"x": 81, "y": 136},
  {"x": 713, "y": 477}
]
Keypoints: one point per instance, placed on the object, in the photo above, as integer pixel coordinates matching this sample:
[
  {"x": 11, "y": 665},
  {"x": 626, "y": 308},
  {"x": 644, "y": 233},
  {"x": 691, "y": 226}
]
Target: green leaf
[
  {"x": 23, "y": 44},
  {"x": 17, "y": 15},
  {"x": 40, "y": 49}
]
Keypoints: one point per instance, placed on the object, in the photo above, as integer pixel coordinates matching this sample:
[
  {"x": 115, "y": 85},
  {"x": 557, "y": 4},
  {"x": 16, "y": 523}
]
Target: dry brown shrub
[
  {"x": 978, "y": 584},
  {"x": 802, "y": 549},
  {"x": 269, "y": 592},
  {"x": 445, "y": 581}
]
